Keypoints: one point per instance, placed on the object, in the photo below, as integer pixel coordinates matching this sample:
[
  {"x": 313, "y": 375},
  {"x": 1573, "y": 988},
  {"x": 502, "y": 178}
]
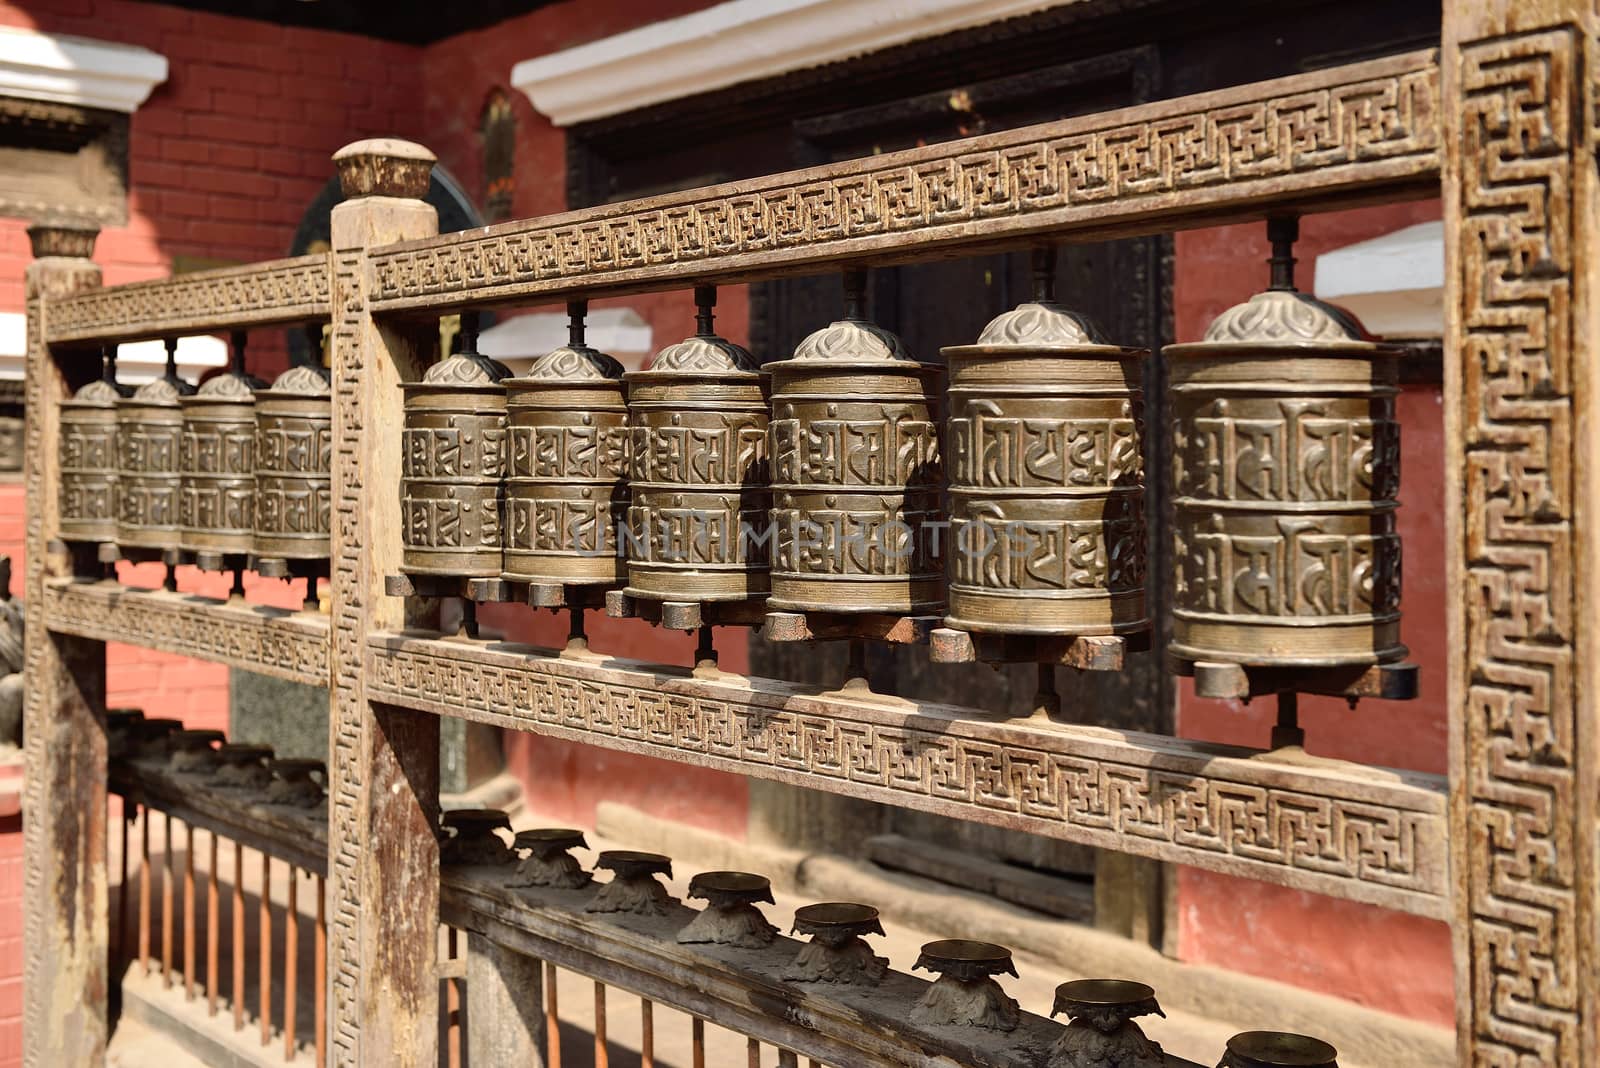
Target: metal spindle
[
  {"x": 753, "y": 1053},
  {"x": 697, "y": 1043},
  {"x": 188, "y": 912},
  {"x": 552, "y": 1017},
  {"x": 788, "y": 1059},
  {"x": 291, "y": 962},
  {"x": 144, "y": 889},
  {"x": 601, "y": 1057},
  {"x": 167, "y": 881},
  {"x": 264, "y": 950},
  {"x": 122, "y": 894},
  {"x": 647, "y": 1033},
  {"x": 212, "y": 924},
  {"x": 238, "y": 937},
  {"x": 320, "y": 967}
]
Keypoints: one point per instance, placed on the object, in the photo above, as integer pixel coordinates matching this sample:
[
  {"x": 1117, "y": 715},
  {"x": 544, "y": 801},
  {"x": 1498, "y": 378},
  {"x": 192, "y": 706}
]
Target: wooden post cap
[
  {"x": 63, "y": 238},
  {"x": 384, "y": 167}
]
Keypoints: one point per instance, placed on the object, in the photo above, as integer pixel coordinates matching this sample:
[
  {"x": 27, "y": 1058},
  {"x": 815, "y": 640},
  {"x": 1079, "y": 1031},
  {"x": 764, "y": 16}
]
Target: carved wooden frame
[{"x": 1506, "y": 115}]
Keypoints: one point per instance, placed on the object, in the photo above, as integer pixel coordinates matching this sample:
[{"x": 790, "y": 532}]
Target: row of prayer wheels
[
  {"x": 818, "y": 483},
  {"x": 233, "y": 467}
]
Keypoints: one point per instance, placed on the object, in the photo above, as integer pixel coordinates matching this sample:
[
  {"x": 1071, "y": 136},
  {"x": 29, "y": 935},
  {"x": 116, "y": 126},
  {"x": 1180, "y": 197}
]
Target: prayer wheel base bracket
[
  {"x": 215, "y": 560},
  {"x": 834, "y": 626},
  {"x": 1096, "y": 652},
  {"x": 1390, "y": 682},
  {"x": 685, "y": 615},
  {"x": 112, "y": 553}
]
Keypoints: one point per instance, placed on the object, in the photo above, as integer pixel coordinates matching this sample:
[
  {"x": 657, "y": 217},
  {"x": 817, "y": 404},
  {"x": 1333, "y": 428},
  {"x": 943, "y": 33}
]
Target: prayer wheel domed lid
[
  {"x": 100, "y": 394},
  {"x": 231, "y": 386},
  {"x": 574, "y": 363},
  {"x": 305, "y": 380},
  {"x": 1041, "y": 324},
  {"x": 164, "y": 390},
  {"x": 852, "y": 339},
  {"x": 705, "y": 353},
  {"x": 466, "y": 369}
]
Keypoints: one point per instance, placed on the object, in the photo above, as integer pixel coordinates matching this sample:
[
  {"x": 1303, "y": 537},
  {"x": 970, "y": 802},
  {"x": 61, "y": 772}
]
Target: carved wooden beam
[
  {"x": 1364, "y": 834},
  {"x": 1367, "y": 130},
  {"x": 278, "y": 291},
  {"x": 273, "y": 641}
]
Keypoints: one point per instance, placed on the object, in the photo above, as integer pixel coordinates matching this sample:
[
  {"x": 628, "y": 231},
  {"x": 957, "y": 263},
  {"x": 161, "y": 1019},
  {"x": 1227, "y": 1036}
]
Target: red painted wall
[{"x": 1402, "y": 964}]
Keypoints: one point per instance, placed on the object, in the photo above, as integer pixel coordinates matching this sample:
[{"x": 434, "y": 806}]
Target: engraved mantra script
[
  {"x": 1382, "y": 113},
  {"x": 1377, "y": 850},
  {"x": 1523, "y": 850}
]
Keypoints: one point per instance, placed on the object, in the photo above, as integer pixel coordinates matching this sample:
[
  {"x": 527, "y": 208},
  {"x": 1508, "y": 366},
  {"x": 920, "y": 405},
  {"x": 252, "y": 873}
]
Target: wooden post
[
  {"x": 505, "y": 1005},
  {"x": 1522, "y": 370},
  {"x": 66, "y": 970},
  {"x": 383, "y": 798}
]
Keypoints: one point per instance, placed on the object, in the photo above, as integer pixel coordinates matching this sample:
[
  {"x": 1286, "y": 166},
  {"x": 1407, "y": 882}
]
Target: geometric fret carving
[
  {"x": 1525, "y": 798},
  {"x": 273, "y": 292},
  {"x": 288, "y": 645},
  {"x": 1144, "y": 167},
  {"x": 1340, "y": 831}
]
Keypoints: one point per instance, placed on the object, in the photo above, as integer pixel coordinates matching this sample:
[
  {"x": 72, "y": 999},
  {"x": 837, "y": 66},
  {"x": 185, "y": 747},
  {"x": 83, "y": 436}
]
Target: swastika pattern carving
[
  {"x": 278, "y": 291},
  {"x": 289, "y": 645},
  {"x": 1334, "y": 835},
  {"x": 346, "y": 836},
  {"x": 1380, "y": 118},
  {"x": 1522, "y": 784}
]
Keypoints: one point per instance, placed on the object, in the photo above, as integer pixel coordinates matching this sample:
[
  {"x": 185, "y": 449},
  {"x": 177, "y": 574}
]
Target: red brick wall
[{"x": 1402, "y": 963}]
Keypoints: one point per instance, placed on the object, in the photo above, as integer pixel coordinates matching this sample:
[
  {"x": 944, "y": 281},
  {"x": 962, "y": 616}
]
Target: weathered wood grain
[
  {"x": 272, "y": 641},
  {"x": 1337, "y": 829}
]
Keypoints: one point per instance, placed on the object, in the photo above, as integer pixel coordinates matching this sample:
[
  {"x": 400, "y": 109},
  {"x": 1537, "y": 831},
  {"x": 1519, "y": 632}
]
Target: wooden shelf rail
[
  {"x": 272, "y": 641},
  {"x": 1342, "y": 829}
]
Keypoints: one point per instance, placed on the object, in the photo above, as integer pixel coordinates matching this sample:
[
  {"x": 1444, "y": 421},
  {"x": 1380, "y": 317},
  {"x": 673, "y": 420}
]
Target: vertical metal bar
[
  {"x": 238, "y": 937},
  {"x": 320, "y": 1014},
  {"x": 601, "y": 1057},
  {"x": 124, "y": 916},
  {"x": 697, "y": 1043},
  {"x": 212, "y": 932},
  {"x": 264, "y": 950},
  {"x": 787, "y": 1059},
  {"x": 753, "y": 1049},
  {"x": 552, "y": 1017},
  {"x": 291, "y": 962},
  {"x": 647, "y": 1033},
  {"x": 452, "y": 1003},
  {"x": 167, "y": 880},
  {"x": 144, "y": 889},
  {"x": 188, "y": 912}
]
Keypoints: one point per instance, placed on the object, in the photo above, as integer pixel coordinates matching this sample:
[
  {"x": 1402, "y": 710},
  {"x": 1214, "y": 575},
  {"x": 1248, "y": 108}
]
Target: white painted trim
[
  {"x": 1394, "y": 284},
  {"x": 77, "y": 70},
  {"x": 738, "y": 41}
]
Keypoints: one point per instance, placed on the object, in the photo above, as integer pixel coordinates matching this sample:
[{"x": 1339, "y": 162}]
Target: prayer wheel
[
  {"x": 216, "y": 504},
  {"x": 566, "y": 466},
  {"x": 1286, "y": 469},
  {"x": 294, "y": 465},
  {"x": 1047, "y": 531},
  {"x": 856, "y": 472},
  {"x": 453, "y": 464},
  {"x": 698, "y": 470},
  {"x": 89, "y": 456},
  {"x": 149, "y": 440}
]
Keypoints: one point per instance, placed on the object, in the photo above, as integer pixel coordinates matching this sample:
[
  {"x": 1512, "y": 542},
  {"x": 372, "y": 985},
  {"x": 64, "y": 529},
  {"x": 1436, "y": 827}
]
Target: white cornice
[
  {"x": 1394, "y": 284},
  {"x": 77, "y": 70},
  {"x": 739, "y": 41}
]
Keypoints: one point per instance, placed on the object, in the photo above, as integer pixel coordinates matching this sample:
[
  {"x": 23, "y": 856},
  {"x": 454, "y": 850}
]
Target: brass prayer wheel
[
  {"x": 698, "y": 470},
  {"x": 1047, "y": 531},
  {"x": 453, "y": 464},
  {"x": 856, "y": 472},
  {"x": 566, "y": 465},
  {"x": 216, "y": 503},
  {"x": 294, "y": 465},
  {"x": 149, "y": 439},
  {"x": 89, "y": 456},
  {"x": 1286, "y": 470}
]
